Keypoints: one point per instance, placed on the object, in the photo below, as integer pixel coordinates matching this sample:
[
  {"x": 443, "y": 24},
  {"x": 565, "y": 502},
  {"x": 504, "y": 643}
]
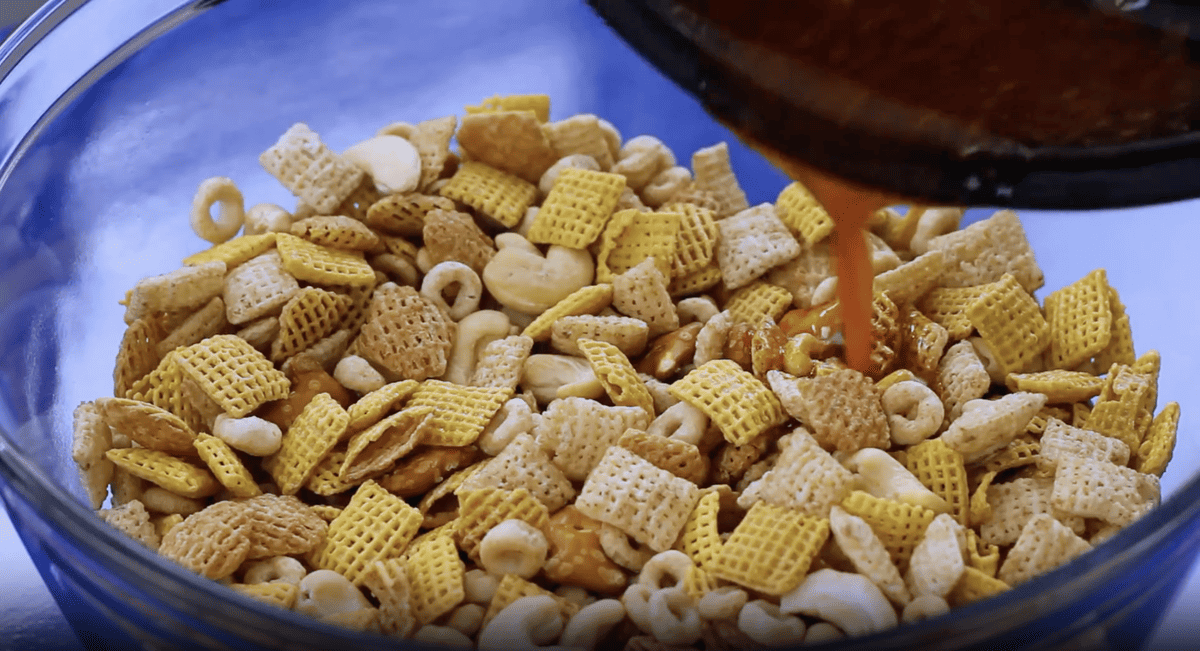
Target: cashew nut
[
  {"x": 161, "y": 500},
  {"x": 525, "y": 623},
  {"x": 277, "y": 569},
  {"x": 357, "y": 374},
  {"x": 591, "y": 623},
  {"x": 266, "y": 218},
  {"x": 253, "y": 435},
  {"x": 514, "y": 547},
  {"x": 825, "y": 291},
  {"x": 560, "y": 376},
  {"x": 396, "y": 268},
  {"x": 573, "y": 161},
  {"x": 724, "y": 602},
  {"x": 674, "y": 619},
  {"x": 665, "y": 185},
  {"x": 445, "y": 275},
  {"x": 232, "y": 213},
  {"x": 710, "y": 341},
  {"x": 615, "y": 545},
  {"x": 391, "y": 161},
  {"x": 475, "y": 331},
  {"x": 479, "y": 586},
  {"x": 401, "y": 129},
  {"x": 763, "y": 622},
  {"x": 515, "y": 417},
  {"x": 521, "y": 278},
  {"x": 849, "y": 601},
  {"x": 697, "y": 309},
  {"x": 798, "y": 353},
  {"x": 682, "y": 421},
  {"x": 666, "y": 569},
  {"x": 466, "y": 619},
  {"x": 914, "y": 412},
  {"x": 926, "y": 606},
  {"x": 326, "y": 592},
  {"x": 442, "y": 636},
  {"x": 932, "y": 223},
  {"x": 882, "y": 476},
  {"x": 822, "y": 632}
]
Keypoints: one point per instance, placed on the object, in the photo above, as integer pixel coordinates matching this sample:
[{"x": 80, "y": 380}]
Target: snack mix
[{"x": 553, "y": 388}]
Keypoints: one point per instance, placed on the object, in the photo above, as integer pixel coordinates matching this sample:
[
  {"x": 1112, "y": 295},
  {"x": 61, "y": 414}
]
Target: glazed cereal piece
[
  {"x": 988, "y": 425},
  {"x": 588, "y": 300},
  {"x": 405, "y": 334},
  {"x": 336, "y": 231},
  {"x": 1010, "y": 322},
  {"x": 1060, "y": 386},
  {"x": 632, "y": 236},
  {"x": 1014, "y": 503},
  {"x": 404, "y": 214},
  {"x": 1044, "y": 544},
  {"x": 771, "y": 550},
  {"x": 226, "y": 466},
  {"x": 641, "y": 292},
  {"x": 681, "y": 459},
  {"x": 1156, "y": 450},
  {"x": 490, "y": 191},
  {"x": 628, "y": 334},
  {"x": 481, "y": 510},
  {"x": 984, "y": 251},
  {"x": 310, "y": 437},
  {"x": 500, "y": 362},
  {"x": 1061, "y": 440},
  {"x": 453, "y": 235},
  {"x": 307, "y": 317},
  {"x": 258, "y": 287},
  {"x": 375, "y": 525},
  {"x": 377, "y": 448},
  {"x": 741, "y": 405},
  {"x": 962, "y": 378},
  {"x": 183, "y": 289},
  {"x": 1080, "y": 319},
  {"x": 582, "y": 134},
  {"x": 511, "y": 141},
  {"x": 576, "y": 209},
  {"x": 147, "y": 425},
  {"x": 436, "y": 575},
  {"x": 803, "y": 214},
  {"x": 174, "y": 474},
  {"x": 133, "y": 520},
  {"x": 757, "y": 302},
  {"x": 1097, "y": 489},
  {"x": 576, "y": 432},
  {"x": 899, "y": 526},
  {"x": 713, "y": 173},
  {"x": 805, "y": 477},
  {"x": 843, "y": 410},
  {"x": 695, "y": 241},
  {"x": 647, "y": 503},
  {"x": 524, "y": 464},
  {"x": 750, "y": 243},
  {"x": 942, "y": 470},
  {"x": 309, "y": 170}
]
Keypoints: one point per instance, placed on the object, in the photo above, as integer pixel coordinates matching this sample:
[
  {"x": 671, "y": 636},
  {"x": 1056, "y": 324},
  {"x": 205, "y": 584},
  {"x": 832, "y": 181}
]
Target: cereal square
[
  {"x": 802, "y": 213},
  {"x": 497, "y": 194},
  {"x": 232, "y": 373},
  {"x": 805, "y": 477},
  {"x": 459, "y": 412},
  {"x": 374, "y": 526},
  {"x": 752, "y": 242},
  {"x": 1011, "y": 324},
  {"x": 739, "y": 403},
  {"x": 772, "y": 548},
  {"x": 576, "y": 209},
  {"x": 1080, "y": 320},
  {"x": 577, "y": 431},
  {"x": 311, "y": 436}
]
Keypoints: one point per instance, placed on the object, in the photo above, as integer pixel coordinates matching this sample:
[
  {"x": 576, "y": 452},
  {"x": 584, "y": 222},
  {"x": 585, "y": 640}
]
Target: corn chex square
[
  {"x": 322, "y": 265},
  {"x": 1156, "y": 450},
  {"x": 866, "y": 552},
  {"x": 326, "y": 479},
  {"x": 899, "y": 525},
  {"x": 576, "y": 209},
  {"x": 941, "y": 469},
  {"x": 696, "y": 240},
  {"x": 337, "y": 232},
  {"x": 576, "y": 431},
  {"x": 459, "y": 412},
  {"x": 311, "y": 436},
  {"x": 367, "y": 410},
  {"x": 1060, "y": 386},
  {"x": 1011, "y": 324},
  {"x": 739, "y": 403},
  {"x": 947, "y": 307},
  {"x": 225, "y": 465},
  {"x": 752, "y": 242},
  {"x": 700, "y": 539},
  {"x": 523, "y": 464},
  {"x": 309, "y": 315},
  {"x": 495, "y": 193},
  {"x": 1120, "y": 344},
  {"x": 539, "y": 104},
  {"x": 235, "y": 251},
  {"x": 159, "y": 468},
  {"x": 404, "y": 215},
  {"x": 758, "y": 301},
  {"x": 374, "y": 526},
  {"x": 480, "y": 510},
  {"x": 436, "y": 575},
  {"x": 137, "y": 354},
  {"x": 801, "y": 211},
  {"x": 647, "y": 503},
  {"x": 632, "y": 236},
  {"x": 589, "y": 299},
  {"x": 513, "y": 587},
  {"x": 695, "y": 282},
  {"x": 231, "y": 372},
  {"x": 771, "y": 549},
  {"x": 975, "y": 585},
  {"x": 163, "y": 387},
  {"x": 617, "y": 375},
  {"x": 1080, "y": 320},
  {"x": 805, "y": 477}
]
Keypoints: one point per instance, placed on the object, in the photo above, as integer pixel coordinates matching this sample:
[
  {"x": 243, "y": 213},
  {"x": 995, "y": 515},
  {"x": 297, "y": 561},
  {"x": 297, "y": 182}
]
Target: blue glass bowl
[{"x": 113, "y": 111}]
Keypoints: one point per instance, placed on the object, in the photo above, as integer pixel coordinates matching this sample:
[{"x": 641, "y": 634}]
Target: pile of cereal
[{"x": 555, "y": 388}]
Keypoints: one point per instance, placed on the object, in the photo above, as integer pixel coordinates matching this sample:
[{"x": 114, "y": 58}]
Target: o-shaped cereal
[
  {"x": 515, "y": 417},
  {"x": 591, "y": 623},
  {"x": 682, "y": 421},
  {"x": 218, "y": 189},
  {"x": 514, "y": 547},
  {"x": 674, "y": 618},
  {"x": 526, "y": 623},
  {"x": 615, "y": 544},
  {"x": 446, "y": 274},
  {"x": 724, "y": 602},
  {"x": 666, "y": 569},
  {"x": 914, "y": 412},
  {"x": 276, "y": 569}
]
